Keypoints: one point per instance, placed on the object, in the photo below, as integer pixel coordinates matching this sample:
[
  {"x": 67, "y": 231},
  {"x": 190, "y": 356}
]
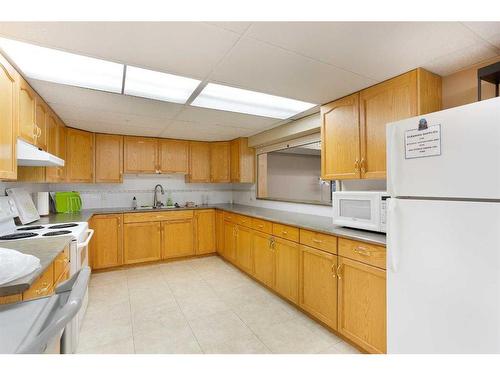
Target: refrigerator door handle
[{"x": 392, "y": 235}]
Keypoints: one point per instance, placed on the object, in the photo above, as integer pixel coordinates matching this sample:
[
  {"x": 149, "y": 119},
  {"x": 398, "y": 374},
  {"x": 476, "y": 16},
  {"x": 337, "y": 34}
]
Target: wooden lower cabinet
[
  {"x": 219, "y": 232},
  {"x": 244, "y": 248},
  {"x": 287, "y": 269},
  {"x": 141, "y": 242},
  {"x": 43, "y": 286},
  {"x": 362, "y": 304},
  {"x": 106, "y": 246},
  {"x": 177, "y": 238},
  {"x": 205, "y": 231},
  {"x": 318, "y": 284},
  {"x": 230, "y": 241},
  {"x": 263, "y": 258}
]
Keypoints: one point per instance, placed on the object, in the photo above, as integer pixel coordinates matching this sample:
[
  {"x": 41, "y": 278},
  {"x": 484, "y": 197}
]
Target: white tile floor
[{"x": 202, "y": 305}]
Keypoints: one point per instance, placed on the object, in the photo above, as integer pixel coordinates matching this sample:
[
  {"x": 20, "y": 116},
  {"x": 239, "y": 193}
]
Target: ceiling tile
[
  {"x": 187, "y": 48},
  {"x": 489, "y": 31},
  {"x": 461, "y": 59},
  {"x": 258, "y": 66},
  {"x": 199, "y": 131},
  {"x": 102, "y": 127},
  {"x": 379, "y": 50},
  {"x": 224, "y": 118},
  {"x": 103, "y": 101}
]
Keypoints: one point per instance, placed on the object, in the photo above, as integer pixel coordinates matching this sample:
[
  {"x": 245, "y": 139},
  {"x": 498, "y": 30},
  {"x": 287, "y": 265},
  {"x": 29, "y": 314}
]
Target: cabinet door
[
  {"x": 41, "y": 117},
  {"x": 242, "y": 161},
  {"x": 8, "y": 120},
  {"x": 199, "y": 162},
  {"x": 230, "y": 241},
  {"x": 219, "y": 162},
  {"x": 287, "y": 269},
  {"x": 61, "y": 129},
  {"x": 244, "y": 254},
  {"x": 108, "y": 158},
  {"x": 340, "y": 154},
  {"x": 177, "y": 240},
  {"x": 318, "y": 284},
  {"x": 79, "y": 155},
  {"x": 141, "y": 242},
  {"x": 263, "y": 258},
  {"x": 205, "y": 231},
  {"x": 51, "y": 173},
  {"x": 389, "y": 101},
  {"x": 219, "y": 232},
  {"x": 174, "y": 156},
  {"x": 362, "y": 304},
  {"x": 27, "y": 129},
  {"x": 106, "y": 245},
  {"x": 140, "y": 155},
  {"x": 235, "y": 161}
]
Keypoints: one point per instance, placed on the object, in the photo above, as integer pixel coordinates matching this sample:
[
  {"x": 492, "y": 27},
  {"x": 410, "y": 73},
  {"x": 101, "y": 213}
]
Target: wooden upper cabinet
[
  {"x": 354, "y": 143},
  {"x": 106, "y": 247},
  {"x": 362, "y": 304},
  {"x": 199, "y": 162},
  {"x": 140, "y": 155},
  {"x": 388, "y": 101},
  {"x": 41, "y": 118},
  {"x": 340, "y": 139},
  {"x": 8, "y": 120},
  {"x": 52, "y": 174},
  {"x": 62, "y": 137},
  {"x": 205, "y": 231},
  {"x": 242, "y": 161},
  {"x": 108, "y": 158},
  {"x": 79, "y": 155},
  {"x": 220, "y": 162},
  {"x": 174, "y": 156},
  {"x": 27, "y": 127}
]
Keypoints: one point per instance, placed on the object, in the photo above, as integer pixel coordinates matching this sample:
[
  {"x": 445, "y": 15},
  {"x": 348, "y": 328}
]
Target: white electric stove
[{"x": 81, "y": 236}]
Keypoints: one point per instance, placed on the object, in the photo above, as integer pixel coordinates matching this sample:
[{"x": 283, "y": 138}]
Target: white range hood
[{"x": 29, "y": 155}]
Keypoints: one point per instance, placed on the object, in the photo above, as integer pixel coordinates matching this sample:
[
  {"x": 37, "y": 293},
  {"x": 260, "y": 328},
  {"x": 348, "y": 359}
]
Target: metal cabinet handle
[
  {"x": 45, "y": 288},
  {"x": 333, "y": 270},
  {"x": 362, "y": 251},
  {"x": 284, "y": 232},
  {"x": 356, "y": 165},
  {"x": 317, "y": 241},
  {"x": 339, "y": 275},
  {"x": 362, "y": 165},
  {"x": 260, "y": 226}
]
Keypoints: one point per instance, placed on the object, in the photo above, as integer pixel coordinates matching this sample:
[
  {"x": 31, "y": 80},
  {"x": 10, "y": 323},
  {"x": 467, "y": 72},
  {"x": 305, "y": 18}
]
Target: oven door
[{"x": 357, "y": 210}]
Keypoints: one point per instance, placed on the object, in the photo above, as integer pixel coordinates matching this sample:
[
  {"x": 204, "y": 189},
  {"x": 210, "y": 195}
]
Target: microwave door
[{"x": 358, "y": 212}]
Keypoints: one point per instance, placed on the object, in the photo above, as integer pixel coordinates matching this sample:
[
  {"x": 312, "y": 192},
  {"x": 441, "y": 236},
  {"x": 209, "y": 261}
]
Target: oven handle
[{"x": 86, "y": 243}]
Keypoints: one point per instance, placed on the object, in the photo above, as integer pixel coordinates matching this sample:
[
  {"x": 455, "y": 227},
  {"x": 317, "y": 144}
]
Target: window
[{"x": 292, "y": 172}]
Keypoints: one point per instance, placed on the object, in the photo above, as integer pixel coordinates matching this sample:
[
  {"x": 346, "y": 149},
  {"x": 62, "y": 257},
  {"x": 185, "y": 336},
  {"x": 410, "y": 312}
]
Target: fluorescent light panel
[
  {"x": 62, "y": 67},
  {"x": 250, "y": 102},
  {"x": 157, "y": 85}
]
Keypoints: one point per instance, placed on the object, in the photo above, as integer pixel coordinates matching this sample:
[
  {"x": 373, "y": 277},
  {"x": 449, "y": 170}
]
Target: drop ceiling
[{"x": 310, "y": 61}]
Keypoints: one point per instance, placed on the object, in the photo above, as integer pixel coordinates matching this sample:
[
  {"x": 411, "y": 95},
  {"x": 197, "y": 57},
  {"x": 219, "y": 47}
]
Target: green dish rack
[{"x": 67, "y": 201}]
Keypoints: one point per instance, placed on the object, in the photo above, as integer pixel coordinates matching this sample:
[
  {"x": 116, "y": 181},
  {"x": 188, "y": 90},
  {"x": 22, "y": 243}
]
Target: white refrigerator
[{"x": 443, "y": 231}]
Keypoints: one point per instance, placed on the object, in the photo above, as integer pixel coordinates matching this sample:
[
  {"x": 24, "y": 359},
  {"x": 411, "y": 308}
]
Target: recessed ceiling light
[
  {"x": 157, "y": 85},
  {"x": 62, "y": 67},
  {"x": 250, "y": 102}
]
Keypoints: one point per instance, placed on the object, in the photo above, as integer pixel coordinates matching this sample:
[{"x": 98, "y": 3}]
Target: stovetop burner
[
  {"x": 61, "y": 226},
  {"x": 56, "y": 233},
  {"x": 34, "y": 227},
  {"x": 17, "y": 236}
]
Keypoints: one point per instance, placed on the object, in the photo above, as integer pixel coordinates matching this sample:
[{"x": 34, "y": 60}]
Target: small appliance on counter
[
  {"x": 360, "y": 209},
  {"x": 67, "y": 201},
  {"x": 42, "y": 202},
  {"x": 26, "y": 209}
]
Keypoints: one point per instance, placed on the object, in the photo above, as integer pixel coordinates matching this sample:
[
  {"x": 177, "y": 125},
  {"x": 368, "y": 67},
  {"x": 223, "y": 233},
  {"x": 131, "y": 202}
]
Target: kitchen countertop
[
  {"x": 316, "y": 223},
  {"x": 45, "y": 249}
]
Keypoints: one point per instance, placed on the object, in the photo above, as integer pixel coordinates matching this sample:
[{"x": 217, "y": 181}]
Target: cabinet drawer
[
  {"x": 229, "y": 216},
  {"x": 244, "y": 220},
  {"x": 320, "y": 241},
  {"x": 143, "y": 217},
  {"x": 41, "y": 287},
  {"x": 286, "y": 231},
  {"x": 363, "y": 252},
  {"x": 61, "y": 263},
  {"x": 262, "y": 225}
]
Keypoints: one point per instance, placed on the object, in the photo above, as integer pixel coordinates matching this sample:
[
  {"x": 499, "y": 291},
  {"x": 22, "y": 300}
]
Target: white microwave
[{"x": 360, "y": 209}]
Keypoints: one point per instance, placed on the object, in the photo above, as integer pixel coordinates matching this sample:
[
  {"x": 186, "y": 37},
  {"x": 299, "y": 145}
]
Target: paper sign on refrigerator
[{"x": 423, "y": 143}]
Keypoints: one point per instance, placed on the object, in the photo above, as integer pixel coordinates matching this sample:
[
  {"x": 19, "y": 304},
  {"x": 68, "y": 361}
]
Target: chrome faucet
[{"x": 157, "y": 203}]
